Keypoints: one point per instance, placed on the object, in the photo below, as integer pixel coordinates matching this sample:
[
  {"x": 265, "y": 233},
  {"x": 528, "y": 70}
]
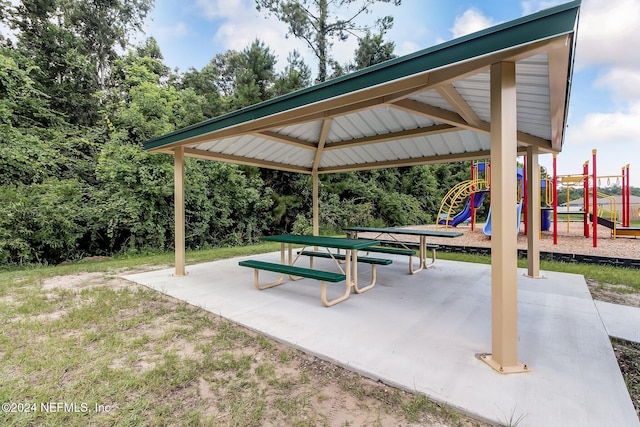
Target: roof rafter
[
  {"x": 326, "y": 124},
  {"x": 229, "y": 158},
  {"x": 453, "y": 97},
  {"x": 455, "y": 157},
  {"x": 440, "y": 114},
  {"x": 296, "y": 142},
  {"x": 416, "y": 161},
  {"x": 392, "y": 136},
  {"x": 558, "y": 92},
  {"x": 457, "y": 120}
]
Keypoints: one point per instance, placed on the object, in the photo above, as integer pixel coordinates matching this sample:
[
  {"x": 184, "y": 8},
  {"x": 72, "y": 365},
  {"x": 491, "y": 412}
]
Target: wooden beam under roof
[
  {"x": 322, "y": 138},
  {"x": 286, "y": 139},
  {"x": 229, "y": 158},
  {"x": 453, "y": 97},
  {"x": 416, "y": 161},
  {"x": 440, "y": 114},
  {"x": 392, "y": 136},
  {"x": 446, "y": 116}
]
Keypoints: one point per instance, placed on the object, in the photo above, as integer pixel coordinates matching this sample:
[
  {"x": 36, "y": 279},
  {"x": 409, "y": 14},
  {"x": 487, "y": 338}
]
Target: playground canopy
[{"x": 497, "y": 93}]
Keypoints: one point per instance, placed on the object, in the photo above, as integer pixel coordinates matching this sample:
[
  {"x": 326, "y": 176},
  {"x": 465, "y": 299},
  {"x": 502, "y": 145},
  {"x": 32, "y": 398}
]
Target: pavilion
[{"x": 498, "y": 93}]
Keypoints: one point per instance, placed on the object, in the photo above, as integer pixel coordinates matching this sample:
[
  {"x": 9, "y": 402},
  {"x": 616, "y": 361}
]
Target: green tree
[
  {"x": 255, "y": 79},
  {"x": 62, "y": 69},
  {"x": 42, "y": 222},
  {"x": 296, "y": 75},
  {"x": 372, "y": 49},
  {"x": 312, "y": 22},
  {"x": 203, "y": 83},
  {"x": 22, "y": 103},
  {"x": 71, "y": 44},
  {"x": 224, "y": 68},
  {"x": 139, "y": 106},
  {"x": 135, "y": 199},
  {"x": 103, "y": 26}
]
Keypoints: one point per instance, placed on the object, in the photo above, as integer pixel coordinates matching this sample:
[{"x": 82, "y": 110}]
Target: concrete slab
[
  {"x": 620, "y": 321},
  {"x": 423, "y": 333}
]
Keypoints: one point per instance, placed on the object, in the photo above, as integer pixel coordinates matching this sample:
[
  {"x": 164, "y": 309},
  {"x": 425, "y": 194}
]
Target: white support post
[
  {"x": 504, "y": 252},
  {"x": 316, "y": 222},
  {"x": 178, "y": 184}
]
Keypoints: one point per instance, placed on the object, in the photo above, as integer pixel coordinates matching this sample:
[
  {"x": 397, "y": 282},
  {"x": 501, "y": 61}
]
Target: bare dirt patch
[
  {"x": 628, "y": 355},
  {"x": 83, "y": 280},
  {"x": 615, "y": 294}
]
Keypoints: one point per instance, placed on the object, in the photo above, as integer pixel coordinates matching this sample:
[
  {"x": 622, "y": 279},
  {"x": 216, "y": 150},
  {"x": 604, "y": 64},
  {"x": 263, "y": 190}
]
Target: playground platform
[{"x": 424, "y": 333}]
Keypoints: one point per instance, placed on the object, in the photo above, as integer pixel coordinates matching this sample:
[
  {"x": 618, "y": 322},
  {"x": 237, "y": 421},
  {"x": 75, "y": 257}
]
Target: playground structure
[
  {"x": 598, "y": 208},
  {"x": 487, "y": 225},
  {"x": 474, "y": 192}
]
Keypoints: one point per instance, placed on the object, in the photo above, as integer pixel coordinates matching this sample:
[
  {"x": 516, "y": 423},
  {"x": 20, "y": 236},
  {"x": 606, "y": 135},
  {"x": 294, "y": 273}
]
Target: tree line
[{"x": 77, "y": 101}]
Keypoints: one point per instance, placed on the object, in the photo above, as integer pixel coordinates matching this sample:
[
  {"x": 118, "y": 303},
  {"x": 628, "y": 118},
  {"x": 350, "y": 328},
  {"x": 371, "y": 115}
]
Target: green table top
[
  {"x": 325, "y": 242},
  {"x": 394, "y": 230}
]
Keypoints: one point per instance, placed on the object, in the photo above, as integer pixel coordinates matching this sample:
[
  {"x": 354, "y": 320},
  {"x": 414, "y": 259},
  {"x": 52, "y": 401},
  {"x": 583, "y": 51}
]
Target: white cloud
[
  {"x": 609, "y": 33},
  {"x": 406, "y": 47},
  {"x": 623, "y": 83},
  {"x": 179, "y": 29},
  {"x": 225, "y": 8},
  {"x": 619, "y": 126},
  {"x": 470, "y": 21},
  {"x": 529, "y": 7}
]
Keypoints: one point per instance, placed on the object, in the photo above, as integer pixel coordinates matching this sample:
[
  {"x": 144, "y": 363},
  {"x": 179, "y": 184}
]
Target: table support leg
[
  {"x": 323, "y": 294},
  {"x": 421, "y": 256},
  {"x": 347, "y": 286},
  {"x": 423, "y": 245},
  {"x": 291, "y": 261},
  {"x": 355, "y": 275},
  {"x": 256, "y": 281}
]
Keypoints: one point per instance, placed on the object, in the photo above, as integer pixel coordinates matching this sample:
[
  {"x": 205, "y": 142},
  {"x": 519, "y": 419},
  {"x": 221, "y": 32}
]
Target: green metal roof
[{"x": 509, "y": 39}]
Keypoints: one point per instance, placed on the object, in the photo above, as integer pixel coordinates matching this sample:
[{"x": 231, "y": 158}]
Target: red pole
[
  {"x": 628, "y": 197},
  {"x": 555, "y": 201},
  {"x": 585, "y": 198},
  {"x": 595, "y": 202},
  {"x": 624, "y": 199}
]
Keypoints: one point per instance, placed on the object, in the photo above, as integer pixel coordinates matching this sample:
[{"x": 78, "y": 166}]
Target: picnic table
[
  {"x": 286, "y": 267},
  {"x": 392, "y": 232}
]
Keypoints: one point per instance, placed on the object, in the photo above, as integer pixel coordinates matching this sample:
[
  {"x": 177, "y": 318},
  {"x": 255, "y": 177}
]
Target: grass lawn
[{"x": 80, "y": 346}]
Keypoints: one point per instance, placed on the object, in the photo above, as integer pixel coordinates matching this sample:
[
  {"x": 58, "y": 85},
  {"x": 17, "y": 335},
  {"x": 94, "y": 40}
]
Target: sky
[{"x": 604, "y": 109}]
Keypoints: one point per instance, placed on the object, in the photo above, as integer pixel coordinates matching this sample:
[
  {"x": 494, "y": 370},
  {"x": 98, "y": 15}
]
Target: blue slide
[
  {"x": 465, "y": 213},
  {"x": 487, "y": 226}
]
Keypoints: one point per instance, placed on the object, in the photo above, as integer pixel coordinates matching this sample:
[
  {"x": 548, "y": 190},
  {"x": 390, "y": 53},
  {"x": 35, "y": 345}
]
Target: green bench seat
[
  {"x": 292, "y": 270},
  {"x": 391, "y": 251},
  {"x": 342, "y": 257},
  {"x": 296, "y": 273},
  {"x": 391, "y": 248}
]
